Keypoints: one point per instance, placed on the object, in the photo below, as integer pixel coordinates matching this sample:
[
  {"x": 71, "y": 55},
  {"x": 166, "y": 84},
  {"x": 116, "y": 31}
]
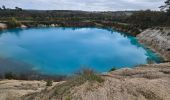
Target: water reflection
[
  {"x": 11, "y": 65},
  {"x": 16, "y": 31},
  {"x": 65, "y": 50}
]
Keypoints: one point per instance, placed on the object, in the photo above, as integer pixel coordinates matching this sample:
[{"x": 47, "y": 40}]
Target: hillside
[
  {"x": 145, "y": 82},
  {"x": 158, "y": 39}
]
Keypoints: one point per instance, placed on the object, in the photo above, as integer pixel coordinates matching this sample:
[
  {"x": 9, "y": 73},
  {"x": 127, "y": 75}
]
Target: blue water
[{"x": 66, "y": 50}]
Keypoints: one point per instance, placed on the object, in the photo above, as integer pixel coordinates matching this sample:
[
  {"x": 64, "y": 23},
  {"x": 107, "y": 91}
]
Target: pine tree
[{"x": 166, "y": 6}]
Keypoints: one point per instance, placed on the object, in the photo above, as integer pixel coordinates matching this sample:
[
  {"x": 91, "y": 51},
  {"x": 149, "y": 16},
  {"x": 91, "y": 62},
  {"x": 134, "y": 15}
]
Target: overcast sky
[{"x": 86, "y": 5}]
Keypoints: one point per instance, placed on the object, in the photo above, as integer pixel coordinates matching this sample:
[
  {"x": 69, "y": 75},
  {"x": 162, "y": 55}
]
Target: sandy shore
[{"x": 12, "y": 89}]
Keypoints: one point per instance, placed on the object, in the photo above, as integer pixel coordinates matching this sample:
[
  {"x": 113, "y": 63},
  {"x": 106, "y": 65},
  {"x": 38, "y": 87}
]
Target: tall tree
[
  {"x": 166, "y": 6},
  {"x": 18, "y": 9},
  {"x": 3, "y": 7}
]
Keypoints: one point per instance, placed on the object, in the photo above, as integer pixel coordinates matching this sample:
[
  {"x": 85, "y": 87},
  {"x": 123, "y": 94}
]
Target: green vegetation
[
  {"x": 12, "y": 23},
  {"x": 148, "y": 19},
  {"x": 64, "y": 18},
  {"x": 83, "y": 76},
  {"x": 113, "y": 69},
  {"x": 10, "y": 75},
  {"x": 166, "y": 7},
  {"x": 88, "y": 75},
  {"x": 32, "y": 76},
  {"x": 49, "y": 83},
  {"x": 132, "y": 22},
  {"x": 79, "y": 78}
]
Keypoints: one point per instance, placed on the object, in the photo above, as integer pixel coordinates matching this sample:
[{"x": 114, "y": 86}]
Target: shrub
[
  {"x": 113, "y": 69},
  {"x": 80, "y": 78},
  {"x": 10, "y": 75},
  {"x": 89, "y": 75},
  {"x": 12, "y": 23},
  {"x": 49, "y": 83}
]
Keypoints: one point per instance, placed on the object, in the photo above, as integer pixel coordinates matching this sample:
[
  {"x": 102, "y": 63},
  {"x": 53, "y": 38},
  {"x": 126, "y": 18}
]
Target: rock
[
  {"x": 3, "y": 26},
  {"x": 23, "y": 26},
  {"x": 158, "y": 40}
]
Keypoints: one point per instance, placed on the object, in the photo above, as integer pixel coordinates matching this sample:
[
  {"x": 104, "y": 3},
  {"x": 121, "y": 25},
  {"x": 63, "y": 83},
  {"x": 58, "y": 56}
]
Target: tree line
[
  {"x": 148, "y": 18},
  {"x": 129, "y": 21}
]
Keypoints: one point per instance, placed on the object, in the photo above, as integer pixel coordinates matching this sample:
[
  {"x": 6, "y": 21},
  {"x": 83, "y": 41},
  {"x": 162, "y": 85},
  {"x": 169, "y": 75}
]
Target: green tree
[
  {"x": 166, "y": 6},
  {"x": 18, "y": 9},
  {"x": 3, "y": 7}
]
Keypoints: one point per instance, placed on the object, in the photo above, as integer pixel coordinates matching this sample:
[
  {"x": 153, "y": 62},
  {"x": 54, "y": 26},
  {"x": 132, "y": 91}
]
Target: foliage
[
  {"x": 166, "y": 6},
  {"x": 49, "y": 83},
  {"x": 80, "y": 78},
  {"x": 87, "y": 75},
  {"x": 12, "y": 23},
  {"x": 113, "y": 69},
  {"x": 18, "y": 9},
  {"x": 31, "y": 76},
  {"x": 147, "y": 19},
  {"x": 10, "y": 75},
  {"x": 133, "y": 21},
  {"x": 3, "y": 7}
]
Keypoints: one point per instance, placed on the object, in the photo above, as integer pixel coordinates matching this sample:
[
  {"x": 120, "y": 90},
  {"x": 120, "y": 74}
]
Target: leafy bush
[
  {"x": 80, "y": 78},
  {"x": 49, "y": 83},
  {"x": 89, "y": 75},
  {"x": 10, "y": 75},
  {"x": 113, "y": 69},
  {"x": 12, "y": 23}
]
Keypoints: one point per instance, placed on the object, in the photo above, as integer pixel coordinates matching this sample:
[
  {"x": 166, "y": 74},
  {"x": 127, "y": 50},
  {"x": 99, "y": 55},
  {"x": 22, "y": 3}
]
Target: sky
[{"x": 85, "y": 5}]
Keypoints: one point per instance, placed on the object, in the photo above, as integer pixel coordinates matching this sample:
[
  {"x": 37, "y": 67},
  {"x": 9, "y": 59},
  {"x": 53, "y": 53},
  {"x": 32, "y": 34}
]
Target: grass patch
[{"x": 77, "y": 80}]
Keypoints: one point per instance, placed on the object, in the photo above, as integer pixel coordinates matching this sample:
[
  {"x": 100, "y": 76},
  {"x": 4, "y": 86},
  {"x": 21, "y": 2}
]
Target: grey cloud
[{"x": 88, "y": 5}]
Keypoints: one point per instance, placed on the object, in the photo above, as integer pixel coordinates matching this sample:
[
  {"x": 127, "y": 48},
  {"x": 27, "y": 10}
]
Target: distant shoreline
[{"x": 122, "y": 27}]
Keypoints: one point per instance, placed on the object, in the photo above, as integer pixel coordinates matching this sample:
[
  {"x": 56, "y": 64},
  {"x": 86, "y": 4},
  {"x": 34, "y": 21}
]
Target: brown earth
[
  {"x": 157, "y": 39},
  {"x": 145, "y": 82}
]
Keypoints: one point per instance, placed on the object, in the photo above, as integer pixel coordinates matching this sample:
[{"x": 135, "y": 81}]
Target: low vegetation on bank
[
  {"x": 142, "y": 82},
  {"x": 80, "y": 77},
  {"x": 13, "y": 23},
  {"x": 31, "y": 76},
  {"x": 132, "y": 22},
  {"x": 64, "y": 89}
]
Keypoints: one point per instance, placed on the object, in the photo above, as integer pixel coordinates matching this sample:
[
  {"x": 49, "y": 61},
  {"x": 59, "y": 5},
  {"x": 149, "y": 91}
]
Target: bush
[
  {"x": 10, "y": 76},
  {"x": 89, "y": 75},
  {"x": 13, "y": 23},
  {"x": 49, "y": 83},
  {"x": 80, "y": 78},
  {"x": 113, "y": 69}
]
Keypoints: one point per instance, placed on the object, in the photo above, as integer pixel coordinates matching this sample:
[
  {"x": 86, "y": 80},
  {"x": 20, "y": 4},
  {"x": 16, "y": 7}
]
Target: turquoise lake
[{"x": 63, "y": 51}]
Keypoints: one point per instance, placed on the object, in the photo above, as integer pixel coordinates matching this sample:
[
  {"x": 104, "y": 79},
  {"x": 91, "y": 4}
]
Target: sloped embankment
[
  {"x": 158, "y": 40},
  {"x": 145, "y": 82},
  {"x": 13, "y": 89},
  {"x": 3, "y": 26}
]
